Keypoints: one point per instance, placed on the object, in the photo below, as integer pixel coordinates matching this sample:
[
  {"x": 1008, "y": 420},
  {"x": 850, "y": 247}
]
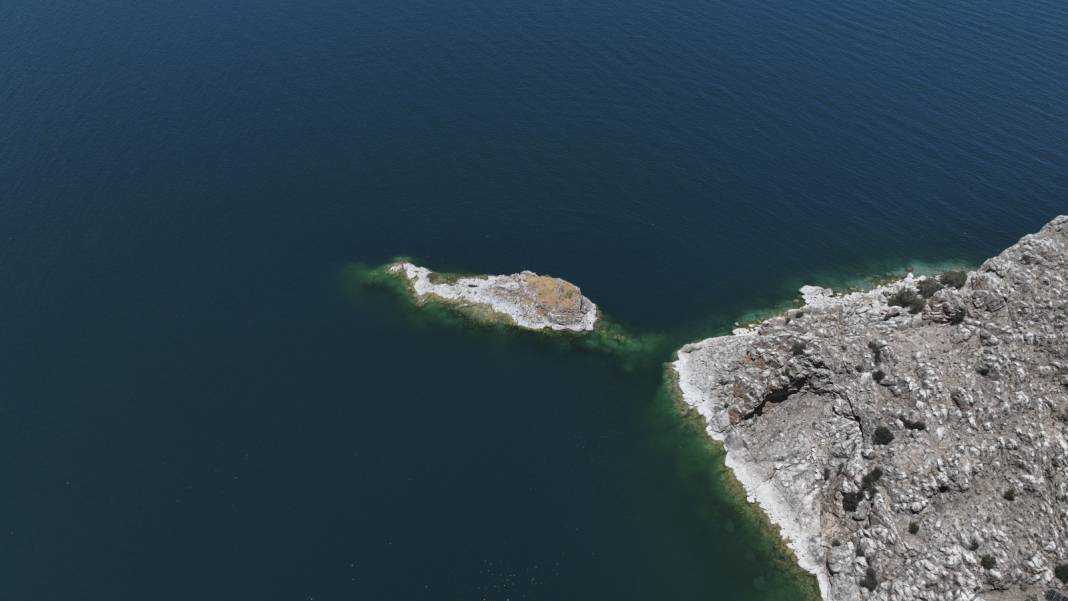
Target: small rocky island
[
  {"x": 526, "y": 300},
  {"x": 911, "y": 442}
]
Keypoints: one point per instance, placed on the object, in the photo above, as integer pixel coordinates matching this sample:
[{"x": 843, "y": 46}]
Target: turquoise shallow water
[{"x": 193, "y": 405}]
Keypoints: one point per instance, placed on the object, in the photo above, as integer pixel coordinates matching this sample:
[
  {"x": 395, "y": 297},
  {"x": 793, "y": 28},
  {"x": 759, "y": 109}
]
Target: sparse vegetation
[
  {"x": 870, "y": 580},
  {"x": 851, "y": 500},
  {"x": 1010, "y": 495},
  {"x": 928, "y": 287},
  {"x": 956, "y": 279},
  {"x": 883, "y": 436},
  {"x": 973, "y": 545},
  {"x": 798, "y": 347},
  {"x": 988, "y": 562},
  {"x": 878, "y": 375},
  {"x": 909, "y": 299},
  {"x": 913, "y": 527}
]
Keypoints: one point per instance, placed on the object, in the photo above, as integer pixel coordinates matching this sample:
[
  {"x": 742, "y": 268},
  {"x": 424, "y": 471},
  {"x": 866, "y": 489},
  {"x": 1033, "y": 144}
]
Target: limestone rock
[
  {"x": 931, "y": 447},
  {"x": 526, "y": 299}
]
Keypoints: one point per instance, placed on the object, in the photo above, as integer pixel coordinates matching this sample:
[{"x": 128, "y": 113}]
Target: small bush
[
  {"x": 1010, "y": 495},
  {"x": 913, "y": 527},
  {"x": 869, "y": 480},
  {"x": 883, "y": 436},
  {"x": 826, "y": 473},
  {"x": 870, "y": 581},
  {"x": 974, "y": 545},
  {"x": 988, "y": 562},
  {"x": 878, "y": 375},
  {"x": 850, "y": 500},
  {"x": 956, "y": 279},
  {"x": 908, "y": 298},
  {"x": 1061, "y": 572},
  {"x": 798, "y": 348},
  {"x": 911, "y": 425},
  {"x": 928, "y": 286},
  {"x": 957, "y": 315},
  {"x": 836, "y": 543},
  {"x": 876, "y": 352}
]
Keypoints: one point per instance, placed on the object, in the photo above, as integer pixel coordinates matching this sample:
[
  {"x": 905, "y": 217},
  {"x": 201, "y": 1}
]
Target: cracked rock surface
[{"x": 915, "y": 452}]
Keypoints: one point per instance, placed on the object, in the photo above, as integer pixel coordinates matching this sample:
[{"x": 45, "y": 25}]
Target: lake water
[{"x": 196, "y": 403}]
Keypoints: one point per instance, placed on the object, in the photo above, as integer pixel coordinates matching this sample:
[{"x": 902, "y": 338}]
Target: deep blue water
[{"x": 192, "y": 405}]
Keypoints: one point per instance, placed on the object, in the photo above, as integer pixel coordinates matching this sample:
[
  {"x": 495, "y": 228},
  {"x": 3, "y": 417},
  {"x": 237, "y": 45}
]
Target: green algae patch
[
  {"x": 701, "y": 463},
  {"x": 611, "y": 337},
  {"x": 357, "y": 276}
]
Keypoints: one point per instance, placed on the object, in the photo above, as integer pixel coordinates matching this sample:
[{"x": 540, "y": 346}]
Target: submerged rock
[
  {"x": 526, "y": 299},
  {"x": 912, "y": 452}
]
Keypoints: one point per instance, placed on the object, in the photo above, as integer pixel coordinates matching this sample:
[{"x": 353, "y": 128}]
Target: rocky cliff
[{"x": 911, "y": 442}]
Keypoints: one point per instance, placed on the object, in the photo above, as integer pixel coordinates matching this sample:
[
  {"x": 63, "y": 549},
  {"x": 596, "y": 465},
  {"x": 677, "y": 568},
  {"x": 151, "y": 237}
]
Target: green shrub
[
  {"x": 1061, "y": 572},
  {"x": 913, "y": 527},
  {"x": 870, "y": 581},
  {"x": 878, "y": 375},
  {"x": 798, "y": 347},
  {"x": 956, "y": 279},
  {"x": 908, "y": 298},
  {"x": 988, "y": 562},
  {"x": 1010, "y": 495},
  {"x": 928, "y": 287},
  {"x": 883, "y": 436},
  {"x": 974, "y": 545}
]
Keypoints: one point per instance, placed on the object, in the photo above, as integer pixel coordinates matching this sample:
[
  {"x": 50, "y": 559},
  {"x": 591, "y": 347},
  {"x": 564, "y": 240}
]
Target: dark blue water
[{"x": 193, "y": 406}]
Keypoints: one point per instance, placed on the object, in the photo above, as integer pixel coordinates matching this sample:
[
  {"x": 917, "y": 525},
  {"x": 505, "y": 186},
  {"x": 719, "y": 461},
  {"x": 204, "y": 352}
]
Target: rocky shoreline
[
  {"x": 909, "y": 441},
  {"x": 526, "y": 300}
]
